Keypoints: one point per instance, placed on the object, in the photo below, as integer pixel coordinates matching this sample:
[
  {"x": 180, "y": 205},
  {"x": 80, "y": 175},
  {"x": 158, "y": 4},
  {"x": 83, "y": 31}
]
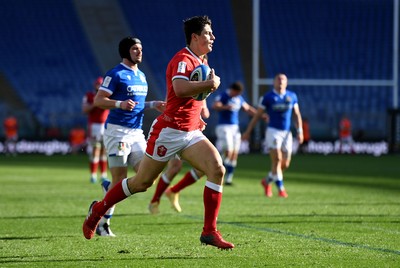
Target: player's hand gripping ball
[{"x": 201, "y": 73}]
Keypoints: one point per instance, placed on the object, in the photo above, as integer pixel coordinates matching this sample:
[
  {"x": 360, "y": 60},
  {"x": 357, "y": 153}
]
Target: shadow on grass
[
  {"x": 11, "y": 238},
  {"x": 39, "y": 217},
  {"x": 21, "y": 259}
]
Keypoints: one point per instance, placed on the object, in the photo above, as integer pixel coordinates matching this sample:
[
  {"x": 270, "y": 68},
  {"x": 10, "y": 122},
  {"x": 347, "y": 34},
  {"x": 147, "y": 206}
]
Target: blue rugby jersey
[
  {"x": 123, "y": 83},
  {"x": 279, "y": 108},
  {"x": 230, "y": 117}
]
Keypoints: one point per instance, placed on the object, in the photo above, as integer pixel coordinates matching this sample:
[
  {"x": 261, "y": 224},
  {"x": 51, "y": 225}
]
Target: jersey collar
[
  {"x": 194, "y": 55},
  {"x": 279, "y": 94}
]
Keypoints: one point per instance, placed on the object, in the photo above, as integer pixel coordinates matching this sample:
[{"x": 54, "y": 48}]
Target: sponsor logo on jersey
[
  {"x": 136, "y": 90},
  {"x": 281, "y": 107},
  {"x": 182, "y": 67},
  {"x": 106, "y": 81}
]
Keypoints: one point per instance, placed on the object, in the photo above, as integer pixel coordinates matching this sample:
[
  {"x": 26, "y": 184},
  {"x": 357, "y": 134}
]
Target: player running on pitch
[
  {"x": 279, "y": 105},
  {"x": 178, "y": 131}
]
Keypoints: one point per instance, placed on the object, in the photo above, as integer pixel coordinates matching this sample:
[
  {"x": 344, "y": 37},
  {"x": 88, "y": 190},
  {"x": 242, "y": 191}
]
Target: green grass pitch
[{"x": 342, "y": 211}]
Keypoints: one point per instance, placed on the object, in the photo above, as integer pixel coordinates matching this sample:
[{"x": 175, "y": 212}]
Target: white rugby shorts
[
  {"x": 123, "y": 142},
  {"x": 279, "y": 139},
  {"x": 96, "y": 131},
  {"x": 165, "y": 142},
  {"x": 228, "y": 137}
]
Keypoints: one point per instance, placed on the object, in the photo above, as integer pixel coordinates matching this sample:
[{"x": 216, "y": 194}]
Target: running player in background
[
  {"x": 279, "y": 105},
  {"x": 178, "y": 131},
  {"x": 345, "y": 135},
  {"x": 124, "y": 92},
  {"x": 10, "y": 125},
  {"x": 228, "y": 104},
  {"x": 174, "y": 166},
  {"x": 95, "y": 131}
]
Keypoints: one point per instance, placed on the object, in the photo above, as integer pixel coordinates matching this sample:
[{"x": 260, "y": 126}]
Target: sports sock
[
  {"x": 279, "y": 182},
  {"x": 270, "y": 178},
  {"x": 94, "y": 164},
  {"x": 93, "y": 176},
  {"x": 229, "y": 173},
  {"x": 109, "y": 213},
  {"x": 114, "y": 195},
  {"x": 229, "y": 177},
  {"x": 103, "y": 176},
  {"x": 212, "y": 198},
  {"x": 162, "y": 184},
  {"x": 189, "y": 178},
  {"x": 107, "y": 217}
]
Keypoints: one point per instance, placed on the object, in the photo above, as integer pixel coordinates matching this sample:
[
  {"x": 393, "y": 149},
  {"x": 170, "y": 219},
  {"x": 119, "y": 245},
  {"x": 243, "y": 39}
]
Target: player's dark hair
[
  {"x": 279, "y": 74},
  {"x": 125, "y": 44},
  {"x": 237, "y": 86},
  {"x": 194, "y": 25}
]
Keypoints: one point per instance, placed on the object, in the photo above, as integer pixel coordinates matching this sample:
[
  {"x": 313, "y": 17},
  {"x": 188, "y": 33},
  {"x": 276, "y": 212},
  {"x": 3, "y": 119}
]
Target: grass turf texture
[{"x": 342, "y": 211}]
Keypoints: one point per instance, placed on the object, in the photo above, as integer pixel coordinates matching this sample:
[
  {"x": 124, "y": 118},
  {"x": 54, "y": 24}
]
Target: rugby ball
[{"x": 201, "y": 73}]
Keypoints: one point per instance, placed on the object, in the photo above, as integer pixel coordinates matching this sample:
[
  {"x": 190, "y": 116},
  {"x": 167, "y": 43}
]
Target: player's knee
[
  {"x": 215, "y": 172},
  {"x": 142, "y": 186},
  {"x": 219, "y": 171}
]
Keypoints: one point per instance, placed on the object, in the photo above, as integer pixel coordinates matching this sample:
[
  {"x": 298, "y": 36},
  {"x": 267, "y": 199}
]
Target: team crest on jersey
[
  {"x": 288, "y": 99},
  {"x": 161, "y": 150},
  {"x": 181, "y": 67},
  {"x": 129, "y": 77}
]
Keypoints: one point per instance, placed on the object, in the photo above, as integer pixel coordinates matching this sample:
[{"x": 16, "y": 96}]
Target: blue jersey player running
[
  {"x": 279, "y": 105},
  {"x": 124, "y": 92},
  {"x": 228, "y": 104}
]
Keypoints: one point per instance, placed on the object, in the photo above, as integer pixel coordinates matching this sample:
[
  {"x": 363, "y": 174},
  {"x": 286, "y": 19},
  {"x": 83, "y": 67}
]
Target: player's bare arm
[
  {"x": 157, "y": 105},
  {"x": 249, "y": 109},
  {"x": 219, "y": 106},
  {"x": 184, "y": 88},
  {"x": 102, "y": 100},
  {"x": 298, "y": 123},
  {"x": 253, "y": 122},
  {"x": 205, "y": 112}
]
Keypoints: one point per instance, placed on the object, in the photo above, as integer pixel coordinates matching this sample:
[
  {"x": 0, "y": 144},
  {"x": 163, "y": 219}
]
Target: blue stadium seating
[
  {"x": 332, "y": 39},
  {"x": 46, "y": 57}
]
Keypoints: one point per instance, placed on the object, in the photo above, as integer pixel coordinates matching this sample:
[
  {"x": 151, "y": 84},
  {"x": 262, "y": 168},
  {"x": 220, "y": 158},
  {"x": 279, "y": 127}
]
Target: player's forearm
[
  {"x": 218, "y": 106},
  {"x": 251, "y": 125},
  {"x": 107, "y": 103},
  {"x": 184, "y": 88},
  {"x": 298, "y": 122}
]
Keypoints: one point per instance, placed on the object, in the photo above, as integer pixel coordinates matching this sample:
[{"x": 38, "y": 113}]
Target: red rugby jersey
[{"x": 182, "y": 113}]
